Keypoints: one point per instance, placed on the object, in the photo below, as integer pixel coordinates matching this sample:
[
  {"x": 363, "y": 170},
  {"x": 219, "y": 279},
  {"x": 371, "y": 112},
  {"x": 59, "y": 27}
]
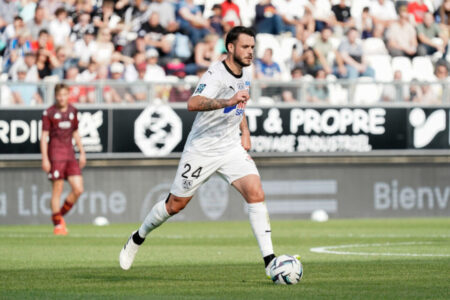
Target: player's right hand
[
  {"x": 46, "y": 166},
  {"x": 239, "y": 97}
]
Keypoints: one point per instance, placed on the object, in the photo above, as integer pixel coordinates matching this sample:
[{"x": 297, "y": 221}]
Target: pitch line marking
[{"x": 330, "y": 250}]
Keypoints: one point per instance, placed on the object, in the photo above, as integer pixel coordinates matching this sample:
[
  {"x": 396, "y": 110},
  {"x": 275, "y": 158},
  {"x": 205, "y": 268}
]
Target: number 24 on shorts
[{"x": 187, "y": 184}]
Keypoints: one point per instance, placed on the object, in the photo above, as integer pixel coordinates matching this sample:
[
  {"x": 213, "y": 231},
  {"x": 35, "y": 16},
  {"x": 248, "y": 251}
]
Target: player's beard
[{"x": 240, "y": 62}]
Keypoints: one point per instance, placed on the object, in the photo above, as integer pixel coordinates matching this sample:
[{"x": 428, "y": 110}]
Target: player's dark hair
[
  {"x": 234, "y": 33},
  {"x": 60, "y": 86}
]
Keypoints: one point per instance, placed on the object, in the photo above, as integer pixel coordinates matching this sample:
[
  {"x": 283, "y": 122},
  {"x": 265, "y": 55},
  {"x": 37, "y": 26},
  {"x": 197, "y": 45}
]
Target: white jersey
[{"x": 215, "y": 132}]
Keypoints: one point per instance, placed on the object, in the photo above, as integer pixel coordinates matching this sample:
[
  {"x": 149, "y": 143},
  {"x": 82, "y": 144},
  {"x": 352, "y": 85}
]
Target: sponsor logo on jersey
[
  {"x": 240, "y": 109},
  {"x": 200, "y": 88},
  {"x": 64, "y": 124}
]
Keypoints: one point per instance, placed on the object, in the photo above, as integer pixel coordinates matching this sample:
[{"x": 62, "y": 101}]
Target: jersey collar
[{"x": 231, "y": 72}]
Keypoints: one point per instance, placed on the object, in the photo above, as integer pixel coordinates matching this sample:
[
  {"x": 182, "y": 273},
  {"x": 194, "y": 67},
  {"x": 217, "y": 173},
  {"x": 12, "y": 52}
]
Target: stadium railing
[{"x": 263, "y": 92}]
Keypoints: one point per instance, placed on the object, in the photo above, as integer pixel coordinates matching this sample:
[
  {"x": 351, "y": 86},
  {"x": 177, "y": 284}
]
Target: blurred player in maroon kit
[{"x": 59, "y": 126}]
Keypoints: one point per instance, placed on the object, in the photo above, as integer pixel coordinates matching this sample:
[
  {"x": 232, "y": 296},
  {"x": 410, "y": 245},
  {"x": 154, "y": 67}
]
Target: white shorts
[{"x": 194, "y": 169}]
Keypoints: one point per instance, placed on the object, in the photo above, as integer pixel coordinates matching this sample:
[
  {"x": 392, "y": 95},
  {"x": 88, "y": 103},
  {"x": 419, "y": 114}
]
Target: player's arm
[
  {"x": 82, "y": 159},
  {"x": 202, "y": 103},
  {"x": 245, "y": 134},
  {"x": 46, "y": 166}
]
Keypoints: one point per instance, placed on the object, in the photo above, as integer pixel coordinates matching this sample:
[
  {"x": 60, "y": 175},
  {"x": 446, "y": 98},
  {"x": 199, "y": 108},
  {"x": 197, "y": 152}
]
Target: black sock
[
  {"x": 137, "y": 238},
  {"x": 268, "y": 259}
]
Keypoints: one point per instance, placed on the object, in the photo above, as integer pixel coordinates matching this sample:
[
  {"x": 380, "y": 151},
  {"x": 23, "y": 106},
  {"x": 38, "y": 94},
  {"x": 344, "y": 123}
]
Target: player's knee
[
  {"x": 256, "y": 195},
  {"x": 78, "y": 190}
]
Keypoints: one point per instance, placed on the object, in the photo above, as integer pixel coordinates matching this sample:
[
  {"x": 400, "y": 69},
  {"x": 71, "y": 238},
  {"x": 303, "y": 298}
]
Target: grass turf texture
[{"x": 221, "y": 261}]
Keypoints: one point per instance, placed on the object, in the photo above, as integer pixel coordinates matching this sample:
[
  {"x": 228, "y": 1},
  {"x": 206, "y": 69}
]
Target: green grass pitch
[{"x": 395, "y": 259}]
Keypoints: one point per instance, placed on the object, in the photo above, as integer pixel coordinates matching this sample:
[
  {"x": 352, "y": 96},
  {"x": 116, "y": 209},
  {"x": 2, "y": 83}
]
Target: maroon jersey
[{"x": 60, "y": 126}]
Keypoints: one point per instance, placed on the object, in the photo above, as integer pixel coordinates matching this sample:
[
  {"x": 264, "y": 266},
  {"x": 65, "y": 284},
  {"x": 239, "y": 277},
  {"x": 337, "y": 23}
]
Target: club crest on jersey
[
  {"x": 187, "y": 184},
  {"x": 240, "y": 85},
  {"x": 200, "y": 88}
]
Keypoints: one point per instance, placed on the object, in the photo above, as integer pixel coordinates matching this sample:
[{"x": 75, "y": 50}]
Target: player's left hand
[
  {"x": 82, "y": 160},
  {"x": 245, "y": 140}
]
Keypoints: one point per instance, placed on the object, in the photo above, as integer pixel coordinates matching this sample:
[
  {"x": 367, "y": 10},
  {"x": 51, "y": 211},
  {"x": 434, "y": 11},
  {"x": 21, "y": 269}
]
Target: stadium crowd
[{"x": 157, "y": 41}]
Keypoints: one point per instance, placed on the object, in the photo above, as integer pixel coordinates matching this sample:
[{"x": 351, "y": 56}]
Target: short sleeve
[
  {"x": 75, "y": 120},
  {"x": 45, "y": 121},
  {"x": 208, "y": 86}
]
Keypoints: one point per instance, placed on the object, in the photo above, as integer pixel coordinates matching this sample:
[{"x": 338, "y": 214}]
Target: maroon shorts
[{"x": 61, "y": 169}]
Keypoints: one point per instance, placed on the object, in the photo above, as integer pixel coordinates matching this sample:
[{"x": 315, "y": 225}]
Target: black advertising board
[
  {"x": 160, "y": 130},
  {"x": 20, "y": 130}
]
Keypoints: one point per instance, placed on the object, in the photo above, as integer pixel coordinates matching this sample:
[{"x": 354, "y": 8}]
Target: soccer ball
[{"x": 286, "y": 269}]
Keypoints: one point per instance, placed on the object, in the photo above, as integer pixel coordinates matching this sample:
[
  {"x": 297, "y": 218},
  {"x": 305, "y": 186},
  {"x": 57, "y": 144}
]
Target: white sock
[
  {"x": 259, "y": 220},
  {"x": 155, "y": 217}
]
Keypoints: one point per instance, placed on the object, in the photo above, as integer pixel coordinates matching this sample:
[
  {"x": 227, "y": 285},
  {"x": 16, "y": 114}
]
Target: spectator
[
  {"x": 84, "y": 48},
  {"x": 62, "y": 63},
  {"x": 427, "y": 32},
  {"x": 366, "y": 25},
  {"x": 29, "y": 60},
  {"x": 266, "y": 68},
  {"x": 45, "y": 60},
  {"x": 8, "y": 12},
  {"x": 27, "y": 9},
  {"x": 138, "y": 91},
  {"x": 119, "y": 92},
  {"x": 44, "y": 41},
  {"x": 441, "y": 72},
  {"x": 166, "y": 13},
  {"x": 402, "y": 37},
  {"x": 204, "y": 54},
  {"x": 318, "y": 91},
  {"x": 443, "y": 16},
  {"x": 308, "y": 62},
  {"x": 156, "y": 34},
  {"x": 153, "y": 71},
  {"x": 106, "y": 18},
  {"x": 59, "y": 28},
  {"x": 90, "y": 73},
  {"x": 191, "y": 22},
  {"x": 102, "y": 48},
  {"x": 383, "y": 13},
  {"x": 51, "y": 6},
  {"x": 22, "y": 93},
  {"x": 81, "y": 27},
  {"x": 417, "y": 9},
  {"x": 131, "y": 66},
  {"x": 292, "y": 94},
  {"x": 136, "y": 46},
  {"x": 267, "y": 19},
  {"x": 323, "y": 48},
  {"x": 291, "y": 13},
  {"x": 38, "y": 23},
  {"x": 353, "y": 56},
  {"x": 231, "y": 13},
  {"x": 77, "y": 93},
  {"x": 396, "y": 91},
  {"x": 216, "y": 22},
  {"x": 343, "y": 15},
  {"x": 321, "y": 12},
  {"x": 12, "y": 29}
]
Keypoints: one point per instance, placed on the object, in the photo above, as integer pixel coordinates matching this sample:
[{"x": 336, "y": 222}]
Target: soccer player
[
  {"x": 59, "y": 126},
  {"x": 218, "y": 142}
]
